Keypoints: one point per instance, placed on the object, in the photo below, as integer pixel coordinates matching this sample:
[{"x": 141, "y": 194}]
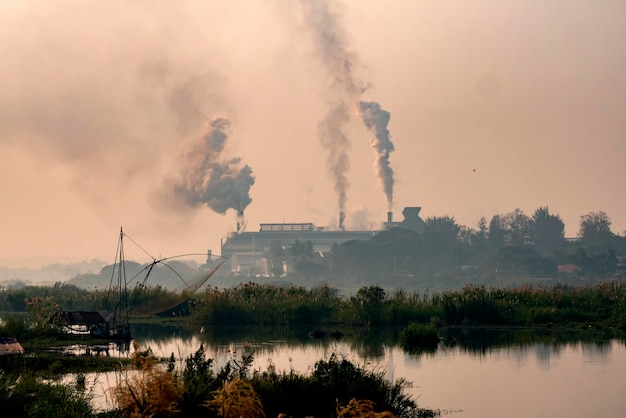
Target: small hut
[
  {"x": 94, "y": 323},
  {"x": 10, "y": 346}
]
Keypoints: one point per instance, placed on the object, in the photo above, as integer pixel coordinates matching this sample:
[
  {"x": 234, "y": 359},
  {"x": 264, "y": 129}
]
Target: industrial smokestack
[
  {"x": 389, "y": 217},
  {"x": 241, "y": 226},
  {"x": 342, "y": 218}
]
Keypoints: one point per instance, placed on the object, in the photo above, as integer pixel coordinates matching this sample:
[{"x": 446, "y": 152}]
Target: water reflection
[
  {"x": 484, "y": 373},
  {"x": 371, "y": 343}
]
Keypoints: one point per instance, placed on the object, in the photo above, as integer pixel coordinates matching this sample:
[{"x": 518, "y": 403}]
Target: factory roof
[{"x": 287, "y": 227}]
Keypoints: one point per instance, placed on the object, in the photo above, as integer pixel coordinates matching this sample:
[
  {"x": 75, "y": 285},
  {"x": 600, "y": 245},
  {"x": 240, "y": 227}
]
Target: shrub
[
  {"x": 419, "y": 337},
  {"x": 361, "y": 409},
  {"x": 24, "y": 396},
  {"x": 149, "y": 391},
  {"x": 198, "y": 383},
  {"x": 237, "y": 398}
]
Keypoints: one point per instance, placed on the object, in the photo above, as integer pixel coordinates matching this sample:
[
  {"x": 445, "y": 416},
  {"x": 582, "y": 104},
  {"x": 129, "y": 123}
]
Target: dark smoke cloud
[
  {"x": 208, "y": 178},
  {"x": 376, "y": 120}
]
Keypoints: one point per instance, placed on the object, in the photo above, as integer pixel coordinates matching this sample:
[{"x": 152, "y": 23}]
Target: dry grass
[
  {"x": 235, "y": 399},
  {"x": 361, "y": 409},
  {"x": 148, "y": 391}
]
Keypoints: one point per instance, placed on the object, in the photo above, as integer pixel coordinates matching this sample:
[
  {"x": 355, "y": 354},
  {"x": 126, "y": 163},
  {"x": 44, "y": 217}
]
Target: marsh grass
[
  {"x": 149, "y": 390},
  {"x": 237, "y": 398},
  {"x": 603, "y": 304},
  {"x": 26, "y": 396}
]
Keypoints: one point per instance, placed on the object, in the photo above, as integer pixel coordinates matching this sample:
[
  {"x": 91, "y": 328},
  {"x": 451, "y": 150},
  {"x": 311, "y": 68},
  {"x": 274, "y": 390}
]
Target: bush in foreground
[
  {"x": 26, "y": 396},
  {"x": 334, "y": 388}
]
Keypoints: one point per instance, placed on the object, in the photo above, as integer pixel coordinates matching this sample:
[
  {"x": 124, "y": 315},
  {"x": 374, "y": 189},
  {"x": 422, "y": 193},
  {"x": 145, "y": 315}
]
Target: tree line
[{"x": 511, "y": 245}]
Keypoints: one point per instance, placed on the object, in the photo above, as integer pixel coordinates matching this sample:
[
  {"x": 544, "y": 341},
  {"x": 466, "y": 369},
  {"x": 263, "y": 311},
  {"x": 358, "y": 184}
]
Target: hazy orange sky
[{"x": 494, "y": 106}]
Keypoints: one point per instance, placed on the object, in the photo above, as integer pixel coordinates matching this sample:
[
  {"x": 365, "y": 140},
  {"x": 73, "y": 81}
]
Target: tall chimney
[
  {"x": 389, "y": 217},
  {"x": 240, "y": 224},
  {"x": 342, "y": 218}
]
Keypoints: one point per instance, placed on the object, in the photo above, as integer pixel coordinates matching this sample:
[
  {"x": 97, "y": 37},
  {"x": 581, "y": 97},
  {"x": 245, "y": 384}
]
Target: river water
[{"x": 472, "y": 374}]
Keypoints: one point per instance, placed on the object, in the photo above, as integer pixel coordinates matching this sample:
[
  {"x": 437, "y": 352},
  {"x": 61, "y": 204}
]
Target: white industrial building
[{"x": 247, "y": 251}]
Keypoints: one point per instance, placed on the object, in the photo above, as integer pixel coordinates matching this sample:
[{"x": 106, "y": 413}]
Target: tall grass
[
  {"x": 602, "y": 304},
  {"x": 261, "y": 304},
  {"x": 25, "y": 396},
  {"x": 252, "y": 303}
]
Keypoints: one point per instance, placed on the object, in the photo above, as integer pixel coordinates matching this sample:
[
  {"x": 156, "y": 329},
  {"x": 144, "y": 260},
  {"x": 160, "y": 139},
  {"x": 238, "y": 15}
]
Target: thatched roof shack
[
  {"x": 10, "y": 346},
  {"x": 93, "y": 322}
]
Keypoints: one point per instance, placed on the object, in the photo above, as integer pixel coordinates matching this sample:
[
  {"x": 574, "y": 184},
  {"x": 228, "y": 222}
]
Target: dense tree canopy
[
  {"x": 549, "y": 231},
  {"x": 595, "y": 231}
]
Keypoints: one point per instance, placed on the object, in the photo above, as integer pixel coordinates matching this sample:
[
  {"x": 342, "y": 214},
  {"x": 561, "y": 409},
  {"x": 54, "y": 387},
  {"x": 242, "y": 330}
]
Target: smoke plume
[
  {"x": 208, "y": 178},
  {"x": 376, "y": 120},
  {"x": 343, "y": 95},
  {"x": 342, "y": 92}
]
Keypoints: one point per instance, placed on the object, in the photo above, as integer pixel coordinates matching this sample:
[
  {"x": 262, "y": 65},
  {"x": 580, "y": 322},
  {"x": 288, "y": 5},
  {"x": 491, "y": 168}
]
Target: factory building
[{"x": 247, "y": 251}]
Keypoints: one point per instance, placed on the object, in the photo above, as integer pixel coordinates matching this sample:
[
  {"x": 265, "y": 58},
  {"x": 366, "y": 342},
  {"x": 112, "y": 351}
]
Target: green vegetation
[
  {"x": 251, "y": 303},
  {"x": 72, "y": 298},
  {"x": 602, "y": 304},
  {"x": 512, "y": 259},
  {"x": 419, "y": 337},
  {"x": 339, "y": 386},
  {"x": 510, "y": 249},
  {"x": 148, "y": 387},
  {"x": 29, "y": 397}
]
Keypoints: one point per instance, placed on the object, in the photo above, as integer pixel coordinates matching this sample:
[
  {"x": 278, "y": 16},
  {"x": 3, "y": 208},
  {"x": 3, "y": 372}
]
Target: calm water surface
[{"x": 471, "y": 375}]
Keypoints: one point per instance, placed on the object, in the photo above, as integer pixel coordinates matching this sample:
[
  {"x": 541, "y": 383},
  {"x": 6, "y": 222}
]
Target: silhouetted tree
[
  {"x": 524, "y": 261},
  {"x": 519, "y": 228},
  {"x": 368, "y": 303},
  {"x": 440, "y": 238},
  {"x": 482, "y": 233},
  {"x": 595, "y": 232},
  {"x": 496, "y": 232},
  {"x": 601, "y": 264},
  {"x": 549, "y": 231}
]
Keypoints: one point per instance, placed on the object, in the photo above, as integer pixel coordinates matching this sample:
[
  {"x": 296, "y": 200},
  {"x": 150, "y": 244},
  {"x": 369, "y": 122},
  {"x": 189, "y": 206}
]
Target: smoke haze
[{"x": 502, "y": 105}]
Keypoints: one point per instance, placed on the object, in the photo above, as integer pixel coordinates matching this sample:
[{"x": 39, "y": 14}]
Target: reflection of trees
[
  {"x": 596, "y": 350},
  {"x": 371, "y": 343},
  {"x": 482, "y": 341},
  {"x": 544, "y": 353}
]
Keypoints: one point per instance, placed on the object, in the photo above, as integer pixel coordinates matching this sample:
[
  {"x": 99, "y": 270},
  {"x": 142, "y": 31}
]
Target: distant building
[{"x": 247, "y": 251}]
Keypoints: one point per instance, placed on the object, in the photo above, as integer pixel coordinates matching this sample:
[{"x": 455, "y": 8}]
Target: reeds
[{"x": 603, "y": 304}]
